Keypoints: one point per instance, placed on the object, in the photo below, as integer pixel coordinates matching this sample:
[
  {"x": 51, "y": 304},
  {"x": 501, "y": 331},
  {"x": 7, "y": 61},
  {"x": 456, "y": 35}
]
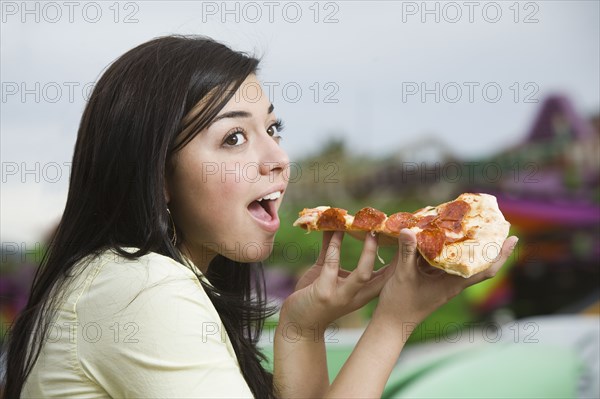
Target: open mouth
[{"x": 263, "y": 208}]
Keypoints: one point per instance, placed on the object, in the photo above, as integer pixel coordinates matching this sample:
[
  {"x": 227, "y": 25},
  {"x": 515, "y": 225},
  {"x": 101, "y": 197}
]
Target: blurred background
[{"x": 394, "y": 105}]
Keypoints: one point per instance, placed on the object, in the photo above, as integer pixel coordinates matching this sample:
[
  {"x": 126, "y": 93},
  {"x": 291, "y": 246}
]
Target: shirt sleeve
[{"x": 150, "y": 330}]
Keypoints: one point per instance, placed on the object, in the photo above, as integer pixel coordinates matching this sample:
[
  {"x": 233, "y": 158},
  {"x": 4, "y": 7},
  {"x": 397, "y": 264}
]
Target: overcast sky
[{"x": 380, "y": 75}]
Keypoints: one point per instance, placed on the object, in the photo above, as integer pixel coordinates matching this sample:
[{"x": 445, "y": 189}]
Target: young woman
[{"x": 152, "y": 285}]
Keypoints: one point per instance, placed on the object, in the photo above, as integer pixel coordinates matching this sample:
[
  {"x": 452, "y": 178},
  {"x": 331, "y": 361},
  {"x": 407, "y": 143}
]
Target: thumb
[{"x": 407, "y": 250}]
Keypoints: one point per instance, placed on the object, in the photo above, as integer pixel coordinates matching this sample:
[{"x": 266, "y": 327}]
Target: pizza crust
[
  {"x": 462, "y": 237},
  {"x": 484, "y": 231}
]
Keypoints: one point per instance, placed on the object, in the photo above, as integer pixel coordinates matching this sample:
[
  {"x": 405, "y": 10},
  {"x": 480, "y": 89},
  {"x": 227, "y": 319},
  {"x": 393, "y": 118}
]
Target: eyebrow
[{"x": 238, "y": 114}]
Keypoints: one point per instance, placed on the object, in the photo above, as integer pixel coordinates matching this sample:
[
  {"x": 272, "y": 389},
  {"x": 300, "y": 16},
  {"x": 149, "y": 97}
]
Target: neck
[{"x": 200, "y": 256}]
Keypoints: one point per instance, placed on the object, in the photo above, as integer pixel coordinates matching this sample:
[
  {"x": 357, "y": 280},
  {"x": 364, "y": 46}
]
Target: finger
[
  {"x": 407, "y": 251},
  {"x": 362, "y": 274},
  {"x": 324, "y": 244},
  {"x": 507, "y": 248},
  {"x": 331, "y": 263}
]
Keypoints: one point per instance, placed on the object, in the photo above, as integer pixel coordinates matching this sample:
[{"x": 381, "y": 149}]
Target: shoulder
[
  {"x": 149, "y": 269},
  {"x": 113, "y": 282},
  {"x": 148, "y": 329},
  {"x": 161, "y": 298},
  {"x": 154, "y": 265}
]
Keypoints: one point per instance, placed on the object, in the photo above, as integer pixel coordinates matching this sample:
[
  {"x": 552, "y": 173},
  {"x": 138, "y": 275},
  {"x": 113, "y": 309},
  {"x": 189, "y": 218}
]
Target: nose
[{"x": 273, "y": 158}]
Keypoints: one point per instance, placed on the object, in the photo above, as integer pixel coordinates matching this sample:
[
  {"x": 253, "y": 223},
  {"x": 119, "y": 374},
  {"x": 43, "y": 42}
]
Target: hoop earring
[{"x": 174, "y": 239}]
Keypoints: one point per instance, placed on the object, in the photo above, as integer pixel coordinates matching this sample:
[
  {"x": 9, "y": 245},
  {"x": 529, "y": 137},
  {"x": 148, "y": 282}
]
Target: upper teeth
[{"x": 271, "y": 196}]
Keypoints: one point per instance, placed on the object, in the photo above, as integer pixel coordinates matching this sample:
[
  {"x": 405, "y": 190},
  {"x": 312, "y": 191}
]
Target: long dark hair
[{"x": 138, "y": 115}]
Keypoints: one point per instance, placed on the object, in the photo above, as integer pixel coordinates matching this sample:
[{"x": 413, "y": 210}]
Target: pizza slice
[{"x": 461, "y": 237}]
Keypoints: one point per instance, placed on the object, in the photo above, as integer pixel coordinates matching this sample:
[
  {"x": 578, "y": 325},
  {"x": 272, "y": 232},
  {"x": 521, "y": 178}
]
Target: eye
[
  {"x": 234, "y": 139},
  {"x": 275, "y": 129}
]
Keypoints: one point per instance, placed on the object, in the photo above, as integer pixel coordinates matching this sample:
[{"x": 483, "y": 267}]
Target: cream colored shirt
[{"x": 136, "y": 329}]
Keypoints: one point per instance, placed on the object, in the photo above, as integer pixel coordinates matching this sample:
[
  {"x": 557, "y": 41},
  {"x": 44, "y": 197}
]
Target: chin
[
  {"x": 246, "y": 252},
  {"x": 251, "y": 252}
]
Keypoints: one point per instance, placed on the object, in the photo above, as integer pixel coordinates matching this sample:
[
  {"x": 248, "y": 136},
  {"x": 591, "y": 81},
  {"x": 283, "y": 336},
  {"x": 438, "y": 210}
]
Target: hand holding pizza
[
  {"x": 327, "y": 292},
  {"x": 441, "y": 251},
  {"x": 414, "y": 289}
]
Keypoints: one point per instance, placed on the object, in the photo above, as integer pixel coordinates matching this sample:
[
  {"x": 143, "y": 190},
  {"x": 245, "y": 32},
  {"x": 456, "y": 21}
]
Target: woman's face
[{"x": 221, "y": 175}]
